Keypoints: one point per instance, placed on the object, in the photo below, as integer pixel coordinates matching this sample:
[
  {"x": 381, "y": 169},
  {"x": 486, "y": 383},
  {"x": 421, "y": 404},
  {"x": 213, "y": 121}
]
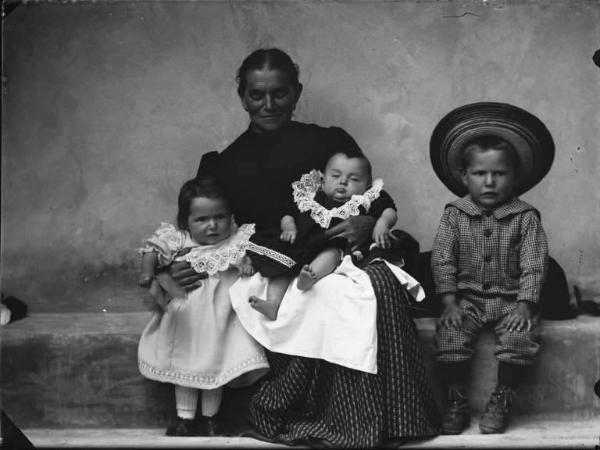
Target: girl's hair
[
  {"x": 488, "y": 142},
  {"x": 272, "y": 58},
  {"x": 202, "y": 186}
]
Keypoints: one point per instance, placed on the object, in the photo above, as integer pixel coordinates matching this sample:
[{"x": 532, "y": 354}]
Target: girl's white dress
[
  {"x": 198, "y": 341},
  {"x": 336, "y": 319}
]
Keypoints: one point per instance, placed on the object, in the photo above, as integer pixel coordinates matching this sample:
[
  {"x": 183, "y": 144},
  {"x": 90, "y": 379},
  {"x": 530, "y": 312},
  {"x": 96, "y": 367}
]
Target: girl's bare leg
[
  {"x": 323, "y": 264},
  {"x": 275, "y": 291}
]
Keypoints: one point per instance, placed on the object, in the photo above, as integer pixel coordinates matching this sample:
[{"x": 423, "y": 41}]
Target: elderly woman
[{"x": 306, "y": 400}]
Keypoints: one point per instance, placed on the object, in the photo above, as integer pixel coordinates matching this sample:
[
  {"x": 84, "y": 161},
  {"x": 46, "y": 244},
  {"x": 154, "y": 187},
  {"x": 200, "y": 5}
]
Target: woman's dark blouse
[{"x": 257, "y": 170}]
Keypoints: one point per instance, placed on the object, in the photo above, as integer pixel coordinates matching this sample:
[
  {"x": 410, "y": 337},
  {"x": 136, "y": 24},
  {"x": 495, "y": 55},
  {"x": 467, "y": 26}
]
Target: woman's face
[{"x": 269, "y": 99}]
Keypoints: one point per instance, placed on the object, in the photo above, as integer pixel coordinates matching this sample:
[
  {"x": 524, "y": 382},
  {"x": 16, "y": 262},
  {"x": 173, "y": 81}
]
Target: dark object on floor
[
  {"x": 214, "y": 426},
  {"x": 597, "y": 388},
  {"x": 596, "y": 58},
  {"x": 586, "y": 306},
  {"x": 555, "y": 302},
  {"x": 183, "y": 427},
  {"x": 12, "y": 437},
  {"x": 18, "y": 308}
]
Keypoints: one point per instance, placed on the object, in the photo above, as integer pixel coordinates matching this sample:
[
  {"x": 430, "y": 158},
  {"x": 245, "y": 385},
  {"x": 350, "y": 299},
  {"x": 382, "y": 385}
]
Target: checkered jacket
[{"x": 501, "y": 252}]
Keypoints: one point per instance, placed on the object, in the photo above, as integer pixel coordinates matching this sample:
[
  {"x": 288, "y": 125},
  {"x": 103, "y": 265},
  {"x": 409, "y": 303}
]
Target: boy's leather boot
[
  {"x": 497, "y": 411},
  {"x": 458, "y": 414}
]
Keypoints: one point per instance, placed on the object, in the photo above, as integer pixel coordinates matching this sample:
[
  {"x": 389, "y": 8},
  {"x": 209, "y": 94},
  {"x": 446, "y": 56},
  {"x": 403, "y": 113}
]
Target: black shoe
[
  {"x": 183, "y": 427},
  {"x": 497, "y": 411},
  {"x": 213, "y": 426},
  {"x": 458, "y": 415}
]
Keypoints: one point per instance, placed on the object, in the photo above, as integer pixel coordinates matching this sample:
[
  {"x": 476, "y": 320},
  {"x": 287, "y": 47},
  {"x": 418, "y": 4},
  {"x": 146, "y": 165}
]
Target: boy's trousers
[{"x": 513, "y": 347}]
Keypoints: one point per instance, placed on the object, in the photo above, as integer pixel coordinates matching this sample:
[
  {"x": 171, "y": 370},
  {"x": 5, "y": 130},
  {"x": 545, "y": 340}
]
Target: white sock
[
  {"x": 186, "y": 400},
  {"x": 211, "y": 401}
]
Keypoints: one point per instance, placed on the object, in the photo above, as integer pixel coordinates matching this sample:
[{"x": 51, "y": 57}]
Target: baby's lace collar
[
  {"x": 211, "y": 259},
  {"x": 304, "y": 192}
]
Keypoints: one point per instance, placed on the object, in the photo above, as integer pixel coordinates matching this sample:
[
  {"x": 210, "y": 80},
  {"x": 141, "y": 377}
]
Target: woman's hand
[
  {"x": 185, "y": 276},
  {"x": 356, "y": 230},
  {"x": 519, "y": 319}
]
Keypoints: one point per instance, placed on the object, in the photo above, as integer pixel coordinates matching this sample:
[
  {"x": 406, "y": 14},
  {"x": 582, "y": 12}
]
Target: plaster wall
[{"x": 108, "y": 107}]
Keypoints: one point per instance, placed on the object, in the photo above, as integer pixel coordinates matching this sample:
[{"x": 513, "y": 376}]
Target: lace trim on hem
[
  {"x": 270, "y": 253},
  {"x": 202, "y": 381},
  {"x": 212, "y": 260},
  {"x": 304, "y": 192}
]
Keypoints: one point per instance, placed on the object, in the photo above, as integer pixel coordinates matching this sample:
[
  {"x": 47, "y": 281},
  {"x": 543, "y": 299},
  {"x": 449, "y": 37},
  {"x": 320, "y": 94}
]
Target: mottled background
[{"x": 108, "y": 107}]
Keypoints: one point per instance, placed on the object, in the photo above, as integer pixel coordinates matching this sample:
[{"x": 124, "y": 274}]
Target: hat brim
[{"x": 527, "y": 134}]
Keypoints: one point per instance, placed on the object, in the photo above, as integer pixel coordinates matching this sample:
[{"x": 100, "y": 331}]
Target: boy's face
[
  {"x": 345, "y": 177},
  {"x": 210, "y": 220},
  {"x": 490, "y": 178}
]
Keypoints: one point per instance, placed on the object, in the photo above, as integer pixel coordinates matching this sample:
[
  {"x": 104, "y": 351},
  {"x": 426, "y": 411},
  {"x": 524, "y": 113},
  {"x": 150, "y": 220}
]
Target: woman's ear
[
  {"x": 298, "y": 93},
  {"x": 243, "y": 102}
]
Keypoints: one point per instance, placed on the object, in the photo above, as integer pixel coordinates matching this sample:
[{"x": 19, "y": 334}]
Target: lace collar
[
  {"x": 304, "y": 192},
  {"x": 211, "y": 259}
]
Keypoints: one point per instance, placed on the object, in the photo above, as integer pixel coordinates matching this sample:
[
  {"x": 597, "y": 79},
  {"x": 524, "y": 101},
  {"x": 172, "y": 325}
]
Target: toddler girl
[
  {"x": 346, "y": 190},
  {"x": 195, "y": 340}
]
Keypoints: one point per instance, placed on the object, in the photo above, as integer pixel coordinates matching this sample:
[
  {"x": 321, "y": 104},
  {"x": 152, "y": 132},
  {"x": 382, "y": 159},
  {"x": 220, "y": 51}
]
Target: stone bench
[{"x": 79, "y": 370}]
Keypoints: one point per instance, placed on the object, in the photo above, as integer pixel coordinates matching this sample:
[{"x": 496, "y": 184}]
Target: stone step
[
  {"x": 79, "y": 370},
  {"x": 525, "y": 434}
]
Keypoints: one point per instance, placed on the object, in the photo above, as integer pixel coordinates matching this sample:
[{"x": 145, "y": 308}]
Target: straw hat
[{"x": 528, "y": 135}]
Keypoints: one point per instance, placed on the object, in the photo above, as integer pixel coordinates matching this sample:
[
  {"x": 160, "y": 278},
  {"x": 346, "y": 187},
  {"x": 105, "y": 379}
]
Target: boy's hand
[
  {"x": 247, "y": 269},
  {"x": 452, "y": 317},
  {"x": 382, "y": 235},
  {"x": 519, "y": 319}
]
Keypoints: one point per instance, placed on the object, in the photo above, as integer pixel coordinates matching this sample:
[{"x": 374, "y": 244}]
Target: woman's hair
[
  {"x": 272, "y": 58},
  {"x": 202, "y": 186},
  {"x": 488, "y": 142}
]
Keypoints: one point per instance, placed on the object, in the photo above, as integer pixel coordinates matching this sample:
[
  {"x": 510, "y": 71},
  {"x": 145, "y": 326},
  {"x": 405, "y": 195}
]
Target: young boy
[{"x": 489, "y": 260}]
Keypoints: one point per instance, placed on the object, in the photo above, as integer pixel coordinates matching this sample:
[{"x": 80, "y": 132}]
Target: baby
[{"x": 347, "y": 190}]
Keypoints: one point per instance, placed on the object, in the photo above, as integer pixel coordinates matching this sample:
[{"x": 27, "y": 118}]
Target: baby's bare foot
[
  {"x": 269, "y": 310},
  {"x": 307, "y": 278}
]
